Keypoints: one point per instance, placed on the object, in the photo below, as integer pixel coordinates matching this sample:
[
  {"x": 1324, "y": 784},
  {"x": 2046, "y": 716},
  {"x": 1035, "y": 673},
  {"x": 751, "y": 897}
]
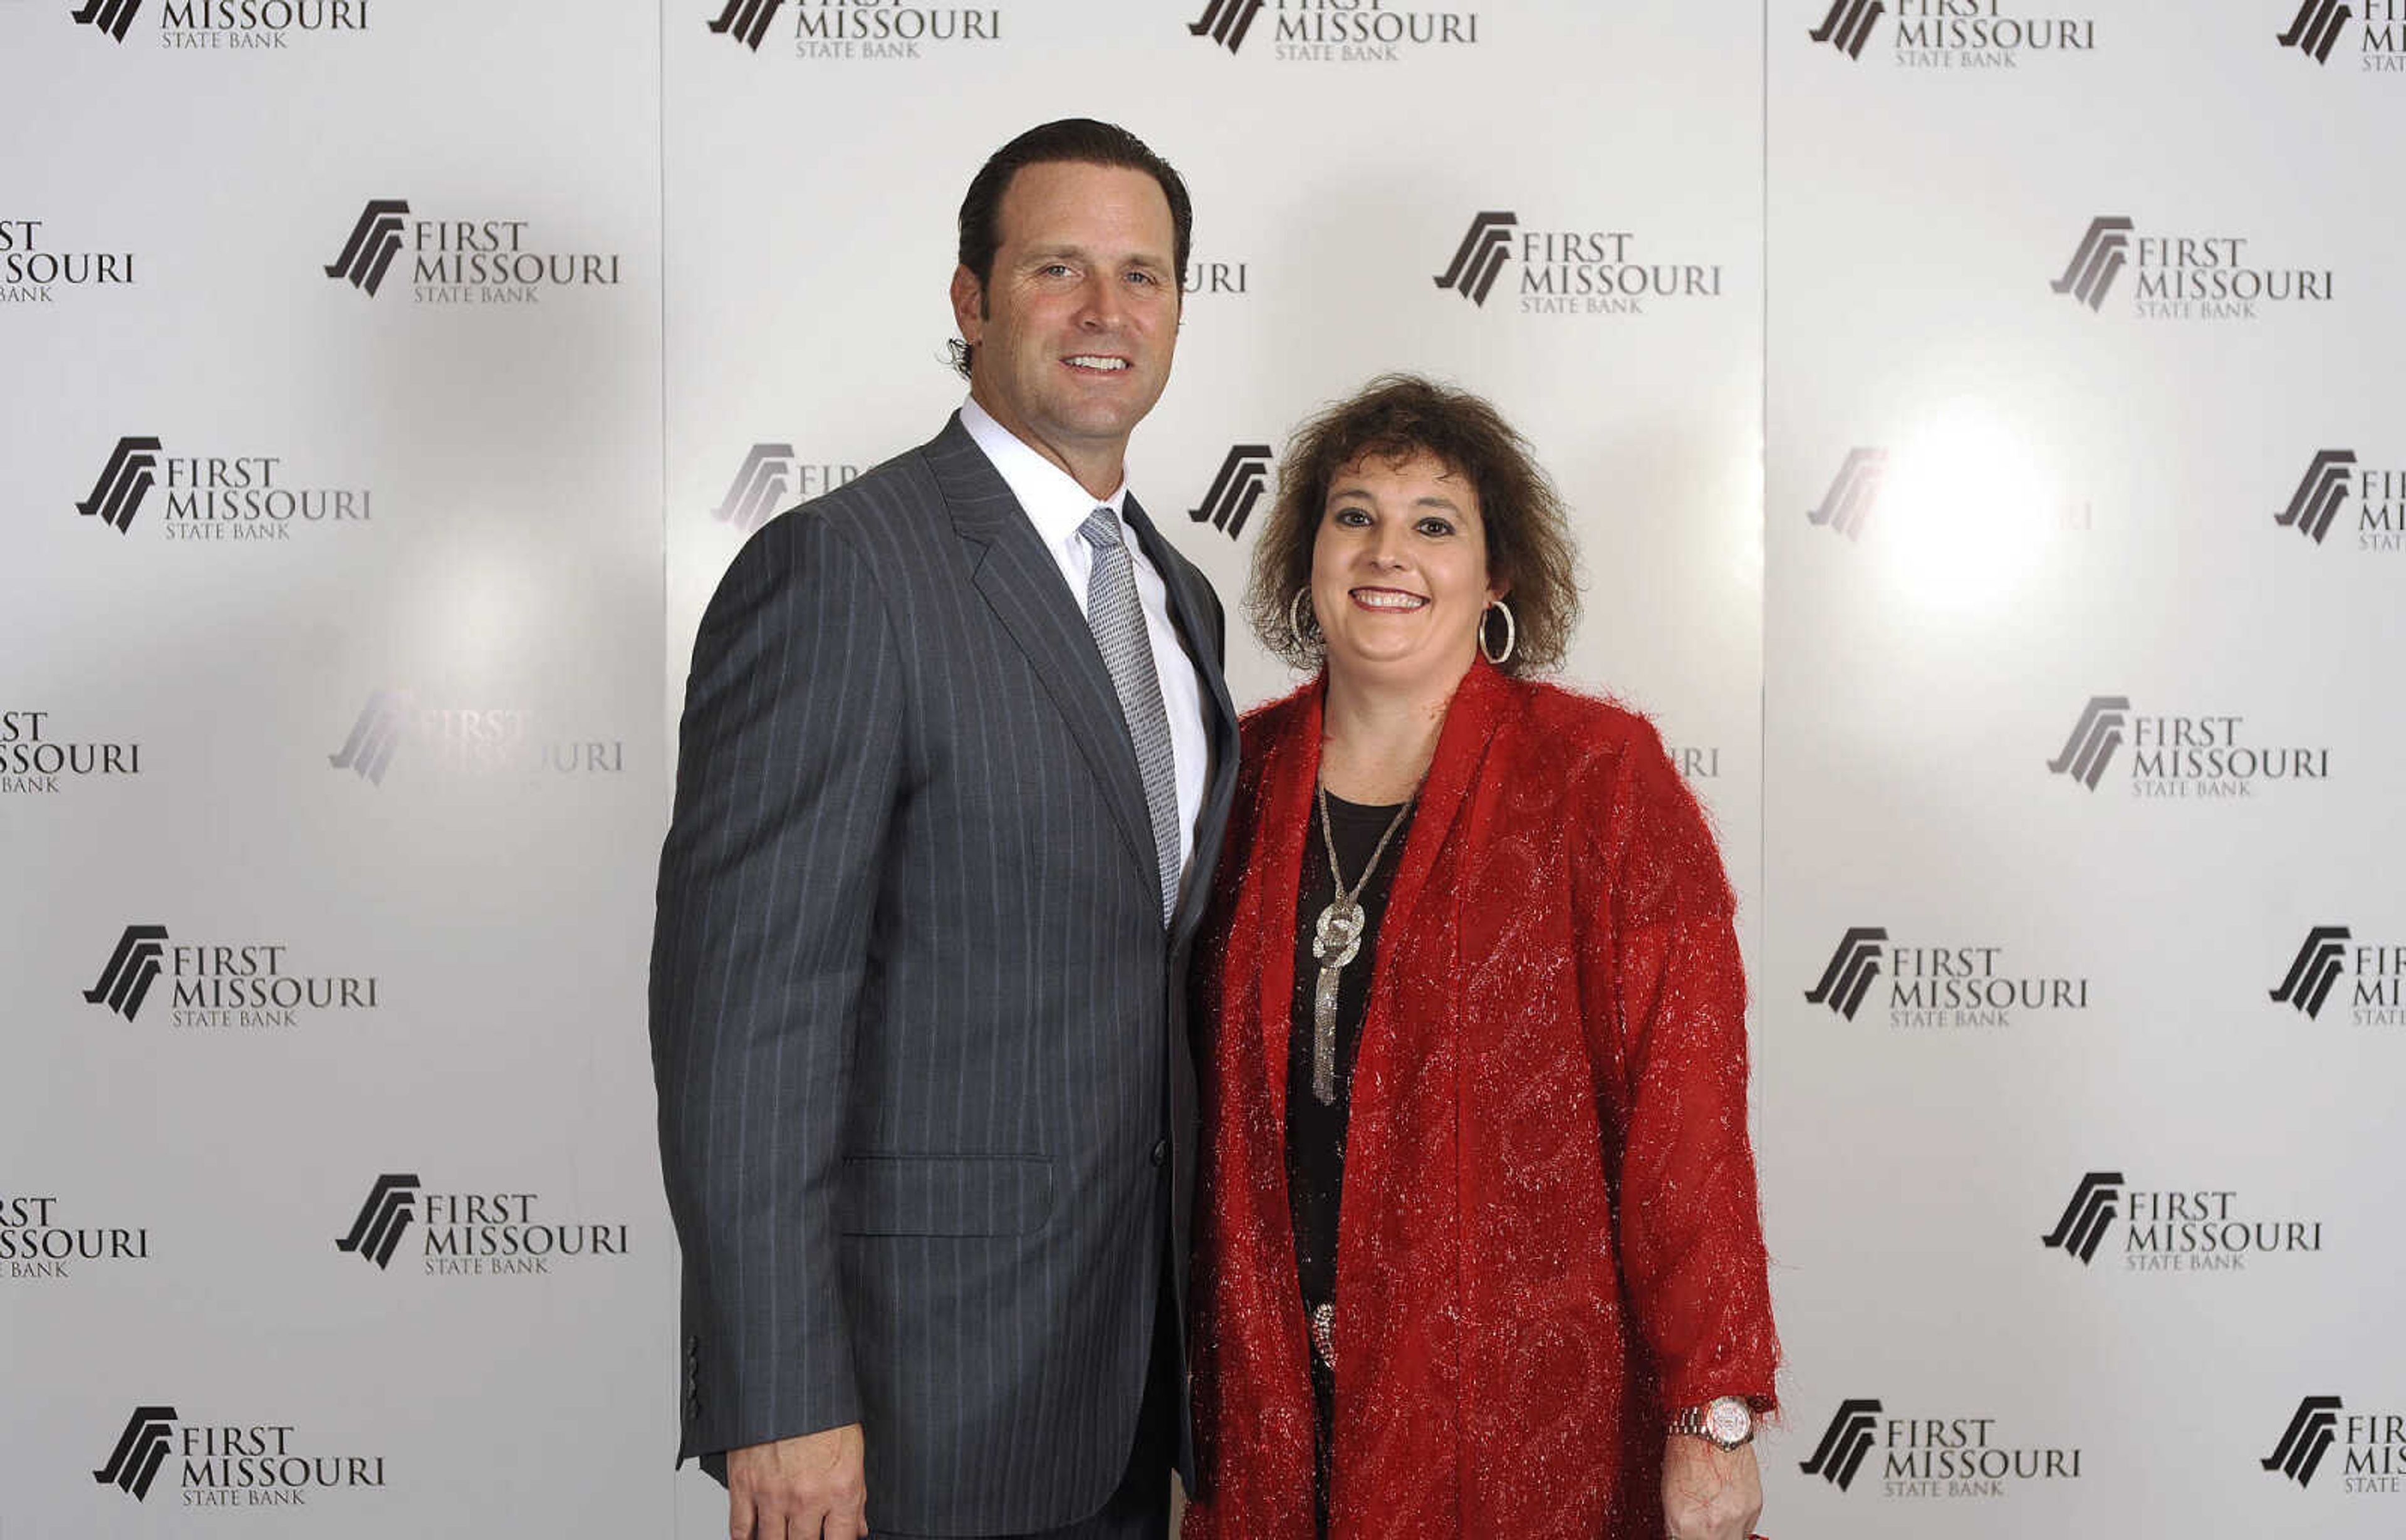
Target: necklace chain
[{"x": 1336, "y": 940}]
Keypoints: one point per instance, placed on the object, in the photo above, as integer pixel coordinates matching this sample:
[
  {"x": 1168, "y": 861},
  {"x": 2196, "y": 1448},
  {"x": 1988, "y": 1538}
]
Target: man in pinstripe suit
[{"x": 956, "y": 756}]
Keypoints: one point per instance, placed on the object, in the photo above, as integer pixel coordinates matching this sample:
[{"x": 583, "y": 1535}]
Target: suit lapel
[
  {"x": 1190, "y": 610},
  {"x": 1021, "y": 584}
]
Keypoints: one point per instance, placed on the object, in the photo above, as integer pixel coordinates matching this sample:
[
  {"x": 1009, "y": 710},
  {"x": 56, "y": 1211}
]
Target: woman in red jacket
[{"x": 1472, "y": 969}]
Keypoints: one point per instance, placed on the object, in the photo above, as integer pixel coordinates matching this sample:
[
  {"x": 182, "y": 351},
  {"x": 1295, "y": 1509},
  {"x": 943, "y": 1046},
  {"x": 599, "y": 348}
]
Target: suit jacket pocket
[{"x": 902, "y": 1194}]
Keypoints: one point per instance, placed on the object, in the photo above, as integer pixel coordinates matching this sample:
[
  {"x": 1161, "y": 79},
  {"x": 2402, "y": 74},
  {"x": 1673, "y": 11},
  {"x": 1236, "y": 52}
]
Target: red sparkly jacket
[{"x": 1550, "y": 1230}]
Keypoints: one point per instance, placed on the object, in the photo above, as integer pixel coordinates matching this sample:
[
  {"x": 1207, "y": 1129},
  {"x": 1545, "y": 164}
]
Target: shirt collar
[{"x": 1050, "y": 496}]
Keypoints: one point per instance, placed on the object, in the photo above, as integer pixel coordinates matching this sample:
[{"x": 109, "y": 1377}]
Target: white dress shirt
[{"x": 1057, "y": 506}]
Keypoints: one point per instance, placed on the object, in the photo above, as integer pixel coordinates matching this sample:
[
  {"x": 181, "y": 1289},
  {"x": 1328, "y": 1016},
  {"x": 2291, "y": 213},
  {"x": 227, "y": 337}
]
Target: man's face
[{"x": 1075, "y": 331}]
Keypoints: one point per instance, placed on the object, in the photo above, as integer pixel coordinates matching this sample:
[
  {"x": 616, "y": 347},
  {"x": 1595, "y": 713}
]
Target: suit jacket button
[{"x": 1160, "y": 1152}]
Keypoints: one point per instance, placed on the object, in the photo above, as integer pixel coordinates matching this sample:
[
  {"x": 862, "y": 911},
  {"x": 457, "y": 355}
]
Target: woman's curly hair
[{"x": 1529, "y": 552}]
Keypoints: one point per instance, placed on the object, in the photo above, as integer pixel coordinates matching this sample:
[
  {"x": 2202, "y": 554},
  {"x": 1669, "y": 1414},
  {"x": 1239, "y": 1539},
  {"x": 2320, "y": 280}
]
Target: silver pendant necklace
[{"x": 1336, "y": 940}]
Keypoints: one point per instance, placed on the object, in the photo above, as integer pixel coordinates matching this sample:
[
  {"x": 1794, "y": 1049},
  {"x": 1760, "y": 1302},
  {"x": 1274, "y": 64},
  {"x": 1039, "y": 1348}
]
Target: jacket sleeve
[
  {"x": 1667, "y": 993},
  {"x": 790, "y": 767}
]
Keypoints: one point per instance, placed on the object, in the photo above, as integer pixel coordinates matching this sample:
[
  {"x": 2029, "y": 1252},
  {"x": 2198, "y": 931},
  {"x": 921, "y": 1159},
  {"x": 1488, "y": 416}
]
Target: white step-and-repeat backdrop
[{"x": 1984, "y": 421}]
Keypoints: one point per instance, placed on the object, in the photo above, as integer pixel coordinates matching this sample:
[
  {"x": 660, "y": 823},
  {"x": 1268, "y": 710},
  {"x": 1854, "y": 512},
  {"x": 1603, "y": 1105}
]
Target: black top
[{"x": 1315, "y": 1134}]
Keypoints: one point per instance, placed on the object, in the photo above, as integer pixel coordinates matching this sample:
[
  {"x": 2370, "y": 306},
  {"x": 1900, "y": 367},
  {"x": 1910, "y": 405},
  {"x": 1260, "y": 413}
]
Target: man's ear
[{"x": 968, "y": 304}]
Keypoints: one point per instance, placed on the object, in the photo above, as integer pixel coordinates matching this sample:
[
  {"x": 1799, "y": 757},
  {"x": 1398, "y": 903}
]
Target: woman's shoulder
[
  {"x": 1586, "y": 730},
  {"x": 1267, "y": 723},
  {"x": 1638, "y": 814}
]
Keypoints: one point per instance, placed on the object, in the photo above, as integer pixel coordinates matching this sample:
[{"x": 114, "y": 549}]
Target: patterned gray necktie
[{"x": 1117, "y": 618}]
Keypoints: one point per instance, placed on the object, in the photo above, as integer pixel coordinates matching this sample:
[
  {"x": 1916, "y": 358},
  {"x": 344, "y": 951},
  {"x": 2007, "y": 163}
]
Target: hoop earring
[
  {"x": 1512, "y": 633},
  {"x": 1295, "y": 621}
]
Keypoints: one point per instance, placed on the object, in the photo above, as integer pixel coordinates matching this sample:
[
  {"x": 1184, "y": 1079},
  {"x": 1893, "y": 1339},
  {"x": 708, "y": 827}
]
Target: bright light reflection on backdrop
[{"x": 1967, "y": 511}]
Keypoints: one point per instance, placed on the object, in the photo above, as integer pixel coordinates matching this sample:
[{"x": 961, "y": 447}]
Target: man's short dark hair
[{"x": 1075, "y": 141}]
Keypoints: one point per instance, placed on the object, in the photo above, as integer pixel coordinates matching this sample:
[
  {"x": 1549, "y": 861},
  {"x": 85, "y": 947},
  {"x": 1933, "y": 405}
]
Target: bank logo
[
  {"x": 34, "y": 760},
  {"x": 1480, "y": 258},
  {"x": 368, "y": 752},
  {"x": 2094, "y": 738},
  {"x": 456, "y": 261},
  {"x": 2335, "y": 483},
  {"x": 217, "y": 497},
  {"x": 1849, "y": 25},
  {"x": 2183, "y": 755},
  {"x": 1696, "y": 762},
  {"x": 1947, "y": 985},
  {"x": 2315, "y": 28},
  {"x": 1564, "y": 271},
  {"x": 772, "y": 478},
  {"x": 1956, "y": 1457},
  {"x": 1207, "y": 279},
  {"x": 392, "y": 1203},
  {"x": 374, "y": 242},
  {"x": 1955, "y": 35},
  {"x": 747, "y": 21},
  {"x": 759, "y": 488},
  {"x": 859, "y": 29},
  {"x": 226, "y": 25},
  {"x": 1854, "y": 496},
  {"x": 469, "y": 740},
  {"x": 2186, "y": 277},
  {"x": 112, "y": 17},
  {"x": 37, "y": 1241},
  {"x": 222, "y": 984},
  {"x": 141, "y": 1448},
  {"x": 225, "y": 1464},
  {"x": 2316, "y": 501},
  {"x": 2093, "y": 268},
  {"x": 31, "y": 270},
  {"x": 2092, "y": 1208},
  {"x": 2317, "y": 967},
  {"x": 478, "y": 1234},
  {"x": 1844, "y": 1443},
  {"x": 1337, "y": 32},
  {"x": 1853, "y": 968},
  {"x": 2376, "y": 969},
  {"x": 1234, "y": 490},
  {"x": 2312, "y": 1430},
  {"x": 124, "y": 483},
  {"x": 2189, "y": 1227},
  {"x": 132, "y": 970},
  {"x": 1227, "y": 22}
]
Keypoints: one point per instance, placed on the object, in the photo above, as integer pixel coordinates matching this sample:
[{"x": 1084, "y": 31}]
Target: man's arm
[{"x": 790, "y": 759}]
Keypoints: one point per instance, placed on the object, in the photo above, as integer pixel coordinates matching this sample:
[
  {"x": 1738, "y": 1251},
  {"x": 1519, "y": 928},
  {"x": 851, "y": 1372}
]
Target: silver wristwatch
[{"x": 1726, "y": 1420}]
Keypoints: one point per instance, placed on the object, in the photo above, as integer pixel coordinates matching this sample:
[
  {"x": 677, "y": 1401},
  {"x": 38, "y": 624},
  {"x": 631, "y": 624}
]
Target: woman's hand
[{"x": 1709, "y": 1492}]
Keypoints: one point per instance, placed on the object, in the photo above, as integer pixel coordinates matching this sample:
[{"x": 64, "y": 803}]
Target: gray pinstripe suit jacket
[{"x": 918, "y": 1033}]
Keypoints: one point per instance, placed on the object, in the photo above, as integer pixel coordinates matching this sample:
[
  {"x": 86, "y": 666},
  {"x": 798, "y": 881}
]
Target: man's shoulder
[
  {"x": 882, "y": 523},
  {"x": 903, "y": 488},
  {"x": 882, "y": 516}
]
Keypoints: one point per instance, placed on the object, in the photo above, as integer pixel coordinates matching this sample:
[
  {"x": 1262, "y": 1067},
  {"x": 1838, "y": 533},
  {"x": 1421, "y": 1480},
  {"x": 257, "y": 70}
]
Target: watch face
[{"x": 1728, "y": 1421}]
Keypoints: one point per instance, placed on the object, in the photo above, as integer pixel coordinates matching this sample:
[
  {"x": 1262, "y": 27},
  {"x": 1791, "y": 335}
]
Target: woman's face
[{"x": 1399, "y": 573}]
